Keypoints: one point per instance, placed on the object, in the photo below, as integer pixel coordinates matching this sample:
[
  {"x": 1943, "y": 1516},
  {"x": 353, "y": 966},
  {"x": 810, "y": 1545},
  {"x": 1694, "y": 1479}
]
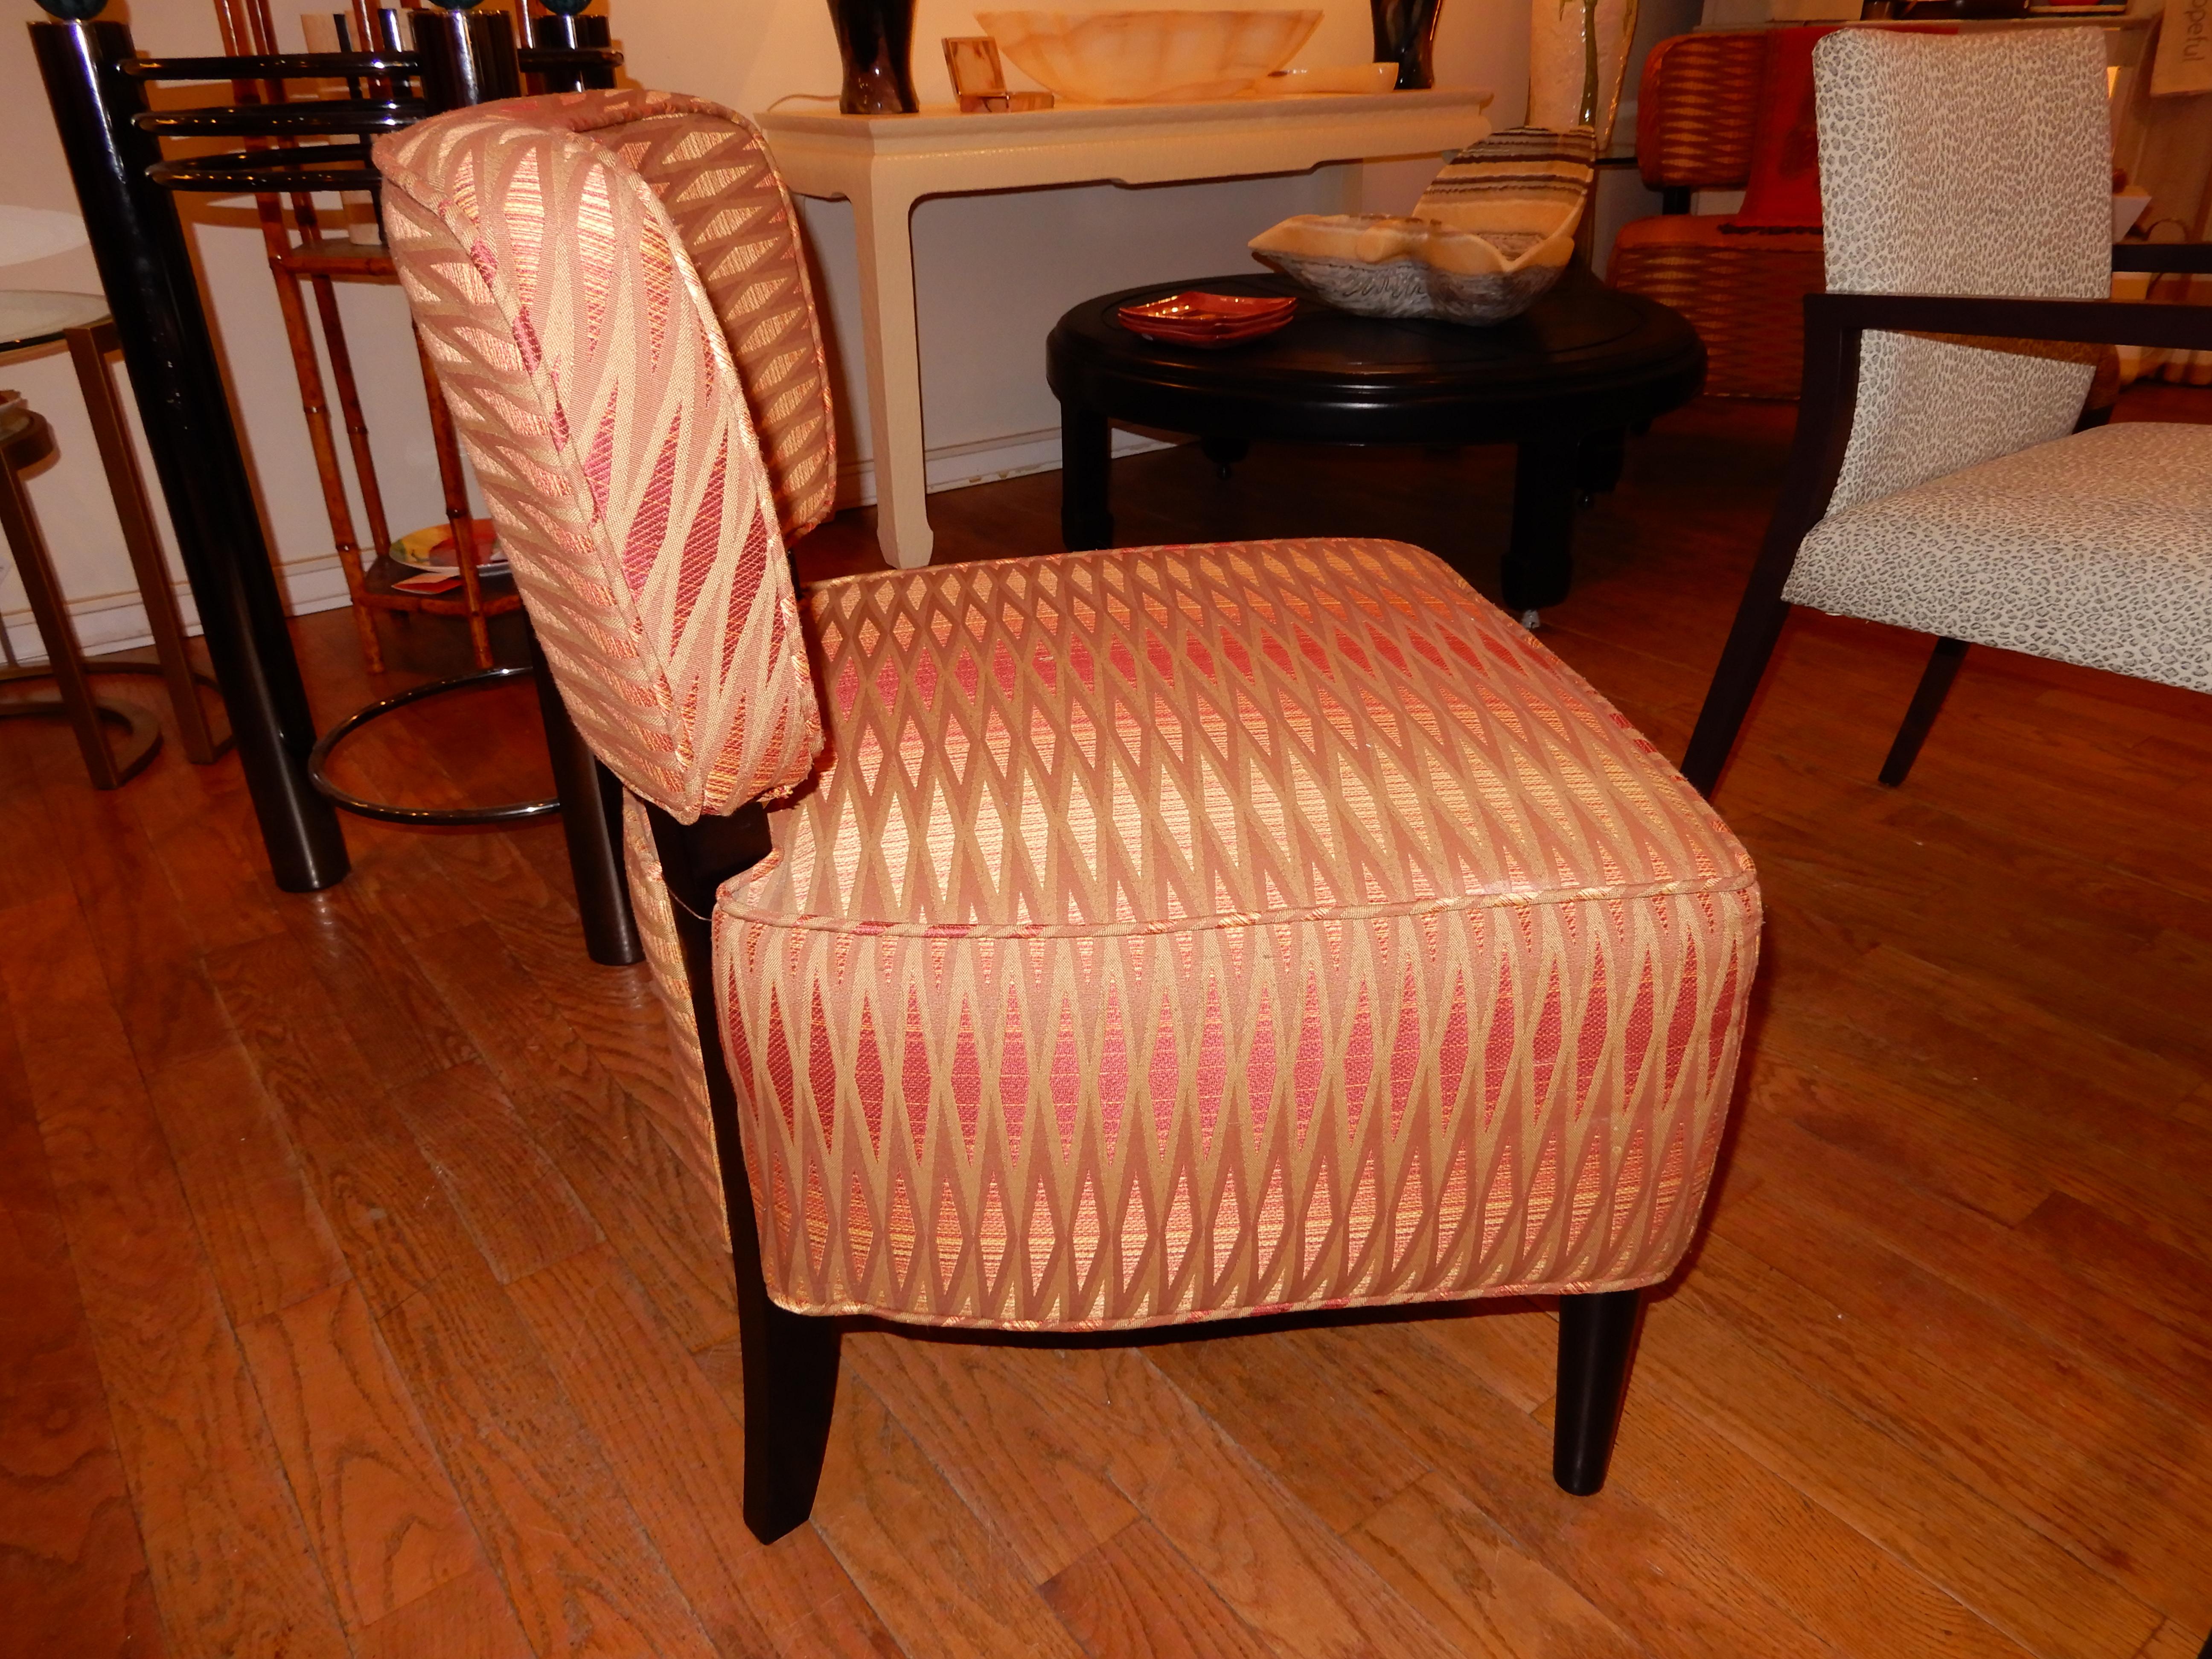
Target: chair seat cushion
[
  {"x": 1195, "y": 930},
  {"x": 2094, "y": 549}
]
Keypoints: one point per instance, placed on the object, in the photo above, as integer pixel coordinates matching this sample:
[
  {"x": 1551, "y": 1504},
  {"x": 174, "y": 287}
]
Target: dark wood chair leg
[
  {"x": 1086, "y": 455},
  {"x": 1927, "y": 702},
  {"x": 791, "y": 1393},
  {"x": 790, "y": 1359},
  {"x": 591, "y": 822},
  {"x": 1816, "y": 457},
  {"x": 1596, "y": 1333},
  {"x": 1743, "y": 664}
]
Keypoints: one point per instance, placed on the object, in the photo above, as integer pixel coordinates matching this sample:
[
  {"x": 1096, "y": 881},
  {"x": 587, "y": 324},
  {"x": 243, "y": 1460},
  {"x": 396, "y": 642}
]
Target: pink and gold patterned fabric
[
  {"x": 588, "y": 373},
  {"x": 712, "y": 174},
  {"x": 1202, "y": 931},
  {"x": 1167, "y": 934}
]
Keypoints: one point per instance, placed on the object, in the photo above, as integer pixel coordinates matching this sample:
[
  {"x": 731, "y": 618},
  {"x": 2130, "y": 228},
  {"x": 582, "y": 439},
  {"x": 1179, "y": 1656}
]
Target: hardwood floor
[{"x": 353, "y": 1300}]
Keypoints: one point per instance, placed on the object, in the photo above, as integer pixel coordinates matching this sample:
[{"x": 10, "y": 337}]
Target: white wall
[
  {"x": 70, "y": 494},
  {"x": 993, "y": 273}
]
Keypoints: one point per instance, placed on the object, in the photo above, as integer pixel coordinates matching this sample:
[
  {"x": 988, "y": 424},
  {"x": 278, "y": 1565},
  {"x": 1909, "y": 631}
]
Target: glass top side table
[{"x": 31, "y": 317}]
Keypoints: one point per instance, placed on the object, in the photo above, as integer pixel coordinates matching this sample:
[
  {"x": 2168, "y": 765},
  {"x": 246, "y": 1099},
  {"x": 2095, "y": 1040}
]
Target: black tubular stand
[
  {"x": 590, "y": 817},
  {"x": 94, "y": 81},
  {"x": 569, "y": 53},
  {"x": 138, "y": 244},
  {"x": 466, "y": 57}
]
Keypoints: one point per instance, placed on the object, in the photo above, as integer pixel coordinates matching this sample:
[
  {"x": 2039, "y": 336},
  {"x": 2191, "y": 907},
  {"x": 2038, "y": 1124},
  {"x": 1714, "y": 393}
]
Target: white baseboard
[
  {"x": 116, "y": 621},
  {"x": 986, "y": 460},
  {"x": 107, "y": 622}
]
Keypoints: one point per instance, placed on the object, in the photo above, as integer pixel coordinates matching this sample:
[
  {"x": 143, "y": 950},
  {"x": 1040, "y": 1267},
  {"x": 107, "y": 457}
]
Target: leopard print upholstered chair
[
  {"x": 1085, "y": 943},
  {"x": 1938, "y": 481}
]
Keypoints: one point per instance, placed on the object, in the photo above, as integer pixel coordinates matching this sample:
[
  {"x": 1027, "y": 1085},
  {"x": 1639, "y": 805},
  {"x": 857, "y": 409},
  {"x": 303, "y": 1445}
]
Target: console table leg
[
  {"x": 1085, "y": 454},
  {"x": 1538, "y": 566},
  {"x": 883, "y": 218},
  {"x": 1603, "y": 456}
]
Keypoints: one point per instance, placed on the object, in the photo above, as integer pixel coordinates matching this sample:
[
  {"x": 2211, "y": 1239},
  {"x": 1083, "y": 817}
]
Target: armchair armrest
[
  {"x": 2089, "y": 322},
  {"x": 2162, "y": 256},
  {"x": 1835, "y": 324}
]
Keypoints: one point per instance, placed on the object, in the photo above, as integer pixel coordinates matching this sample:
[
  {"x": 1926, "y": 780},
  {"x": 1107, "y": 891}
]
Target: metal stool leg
[
  {"x": 29, "y": 446},
  {"x": 89, "y": 349}
]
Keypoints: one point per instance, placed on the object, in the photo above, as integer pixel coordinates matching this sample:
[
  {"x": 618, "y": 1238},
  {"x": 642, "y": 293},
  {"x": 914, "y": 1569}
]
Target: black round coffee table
[{"x": 1565, "y": 381}]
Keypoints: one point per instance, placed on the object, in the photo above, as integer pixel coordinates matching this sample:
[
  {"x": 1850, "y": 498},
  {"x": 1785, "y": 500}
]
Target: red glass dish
[{"x": 1208, "y": 320}]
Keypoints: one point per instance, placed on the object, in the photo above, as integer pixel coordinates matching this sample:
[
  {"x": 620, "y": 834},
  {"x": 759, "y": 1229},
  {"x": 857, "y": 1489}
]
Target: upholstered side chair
[
  {"x": 1695, "y": 128},
  {"x": 1073, "y": 943},
  {"x": 1937, "y": 481}
]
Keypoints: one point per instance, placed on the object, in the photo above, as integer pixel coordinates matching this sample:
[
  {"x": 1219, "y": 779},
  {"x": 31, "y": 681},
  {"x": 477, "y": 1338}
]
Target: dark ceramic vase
[
  {"x": 875, "y": 38},
  {"x": 1406, "y": 34}
]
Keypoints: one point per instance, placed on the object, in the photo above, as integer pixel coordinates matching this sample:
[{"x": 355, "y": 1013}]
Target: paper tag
[{"x": 2183, "y": 63}]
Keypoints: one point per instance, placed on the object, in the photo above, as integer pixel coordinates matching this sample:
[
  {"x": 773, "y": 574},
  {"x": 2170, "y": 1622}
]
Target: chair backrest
[
  {"x": 1966, "y": 164},
  {"x": 1695, "y": 109},
  {"x": 551, "y": 249}
]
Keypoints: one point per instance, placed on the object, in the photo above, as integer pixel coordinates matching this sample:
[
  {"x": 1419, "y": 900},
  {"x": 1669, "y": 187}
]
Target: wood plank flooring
[{"x": 356, "y": 1297}]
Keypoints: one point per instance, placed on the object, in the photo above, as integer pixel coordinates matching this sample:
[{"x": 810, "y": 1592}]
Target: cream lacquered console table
[{"x": 884, "y": 164}]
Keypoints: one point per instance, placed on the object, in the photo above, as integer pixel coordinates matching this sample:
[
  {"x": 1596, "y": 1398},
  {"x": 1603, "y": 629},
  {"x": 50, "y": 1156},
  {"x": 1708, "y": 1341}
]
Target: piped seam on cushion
[
  {"x": 1744, "y": 880},
  {"x": 849, "y": 1309}
]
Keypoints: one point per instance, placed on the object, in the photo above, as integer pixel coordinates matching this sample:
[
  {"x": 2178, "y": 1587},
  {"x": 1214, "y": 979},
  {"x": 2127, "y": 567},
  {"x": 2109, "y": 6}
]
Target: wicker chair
[
  {"x": 1147, "y": 937},
  {"x": 1940, "y": 483},
  {"x": 1743, "y": 293}
]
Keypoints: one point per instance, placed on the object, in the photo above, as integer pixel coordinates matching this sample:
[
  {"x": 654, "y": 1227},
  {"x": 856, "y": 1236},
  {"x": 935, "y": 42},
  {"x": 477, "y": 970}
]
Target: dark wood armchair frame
[
  {"x": 791, "y": 1359},
  {"x": 1834, "y": 325}
]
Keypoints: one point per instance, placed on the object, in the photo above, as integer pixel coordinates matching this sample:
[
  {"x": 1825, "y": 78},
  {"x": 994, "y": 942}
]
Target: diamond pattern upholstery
[
  {"x": 1164, "y": 934},
  {"x": 722, "y": 193},
  {"x": 600, "y": 403},
  {"x": 1194, "y": 931}
]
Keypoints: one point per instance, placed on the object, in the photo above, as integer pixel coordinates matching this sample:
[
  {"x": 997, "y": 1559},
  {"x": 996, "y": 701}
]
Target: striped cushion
[
  {"x": 1191, "y": 932},
  {"x": 1514, "y": 188}
]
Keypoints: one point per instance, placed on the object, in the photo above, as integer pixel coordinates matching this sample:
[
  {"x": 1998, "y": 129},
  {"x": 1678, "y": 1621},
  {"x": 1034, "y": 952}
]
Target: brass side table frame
[{"x": 89, "y": 345}]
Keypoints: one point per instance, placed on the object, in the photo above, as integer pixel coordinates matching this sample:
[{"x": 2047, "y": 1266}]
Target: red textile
[{"x": 1783, "y": 191}]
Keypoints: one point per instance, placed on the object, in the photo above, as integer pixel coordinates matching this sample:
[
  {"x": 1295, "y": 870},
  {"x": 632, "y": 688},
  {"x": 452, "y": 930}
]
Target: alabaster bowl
[
  {"x": 1377, "y": 265},
  {"x": 1148, "y": 56},
  {"x": 1486, "y": 240}
]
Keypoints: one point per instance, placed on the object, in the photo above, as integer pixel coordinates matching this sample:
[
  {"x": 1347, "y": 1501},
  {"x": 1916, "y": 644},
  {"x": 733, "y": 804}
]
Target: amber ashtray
[{"x": 1208, "y": 321}]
